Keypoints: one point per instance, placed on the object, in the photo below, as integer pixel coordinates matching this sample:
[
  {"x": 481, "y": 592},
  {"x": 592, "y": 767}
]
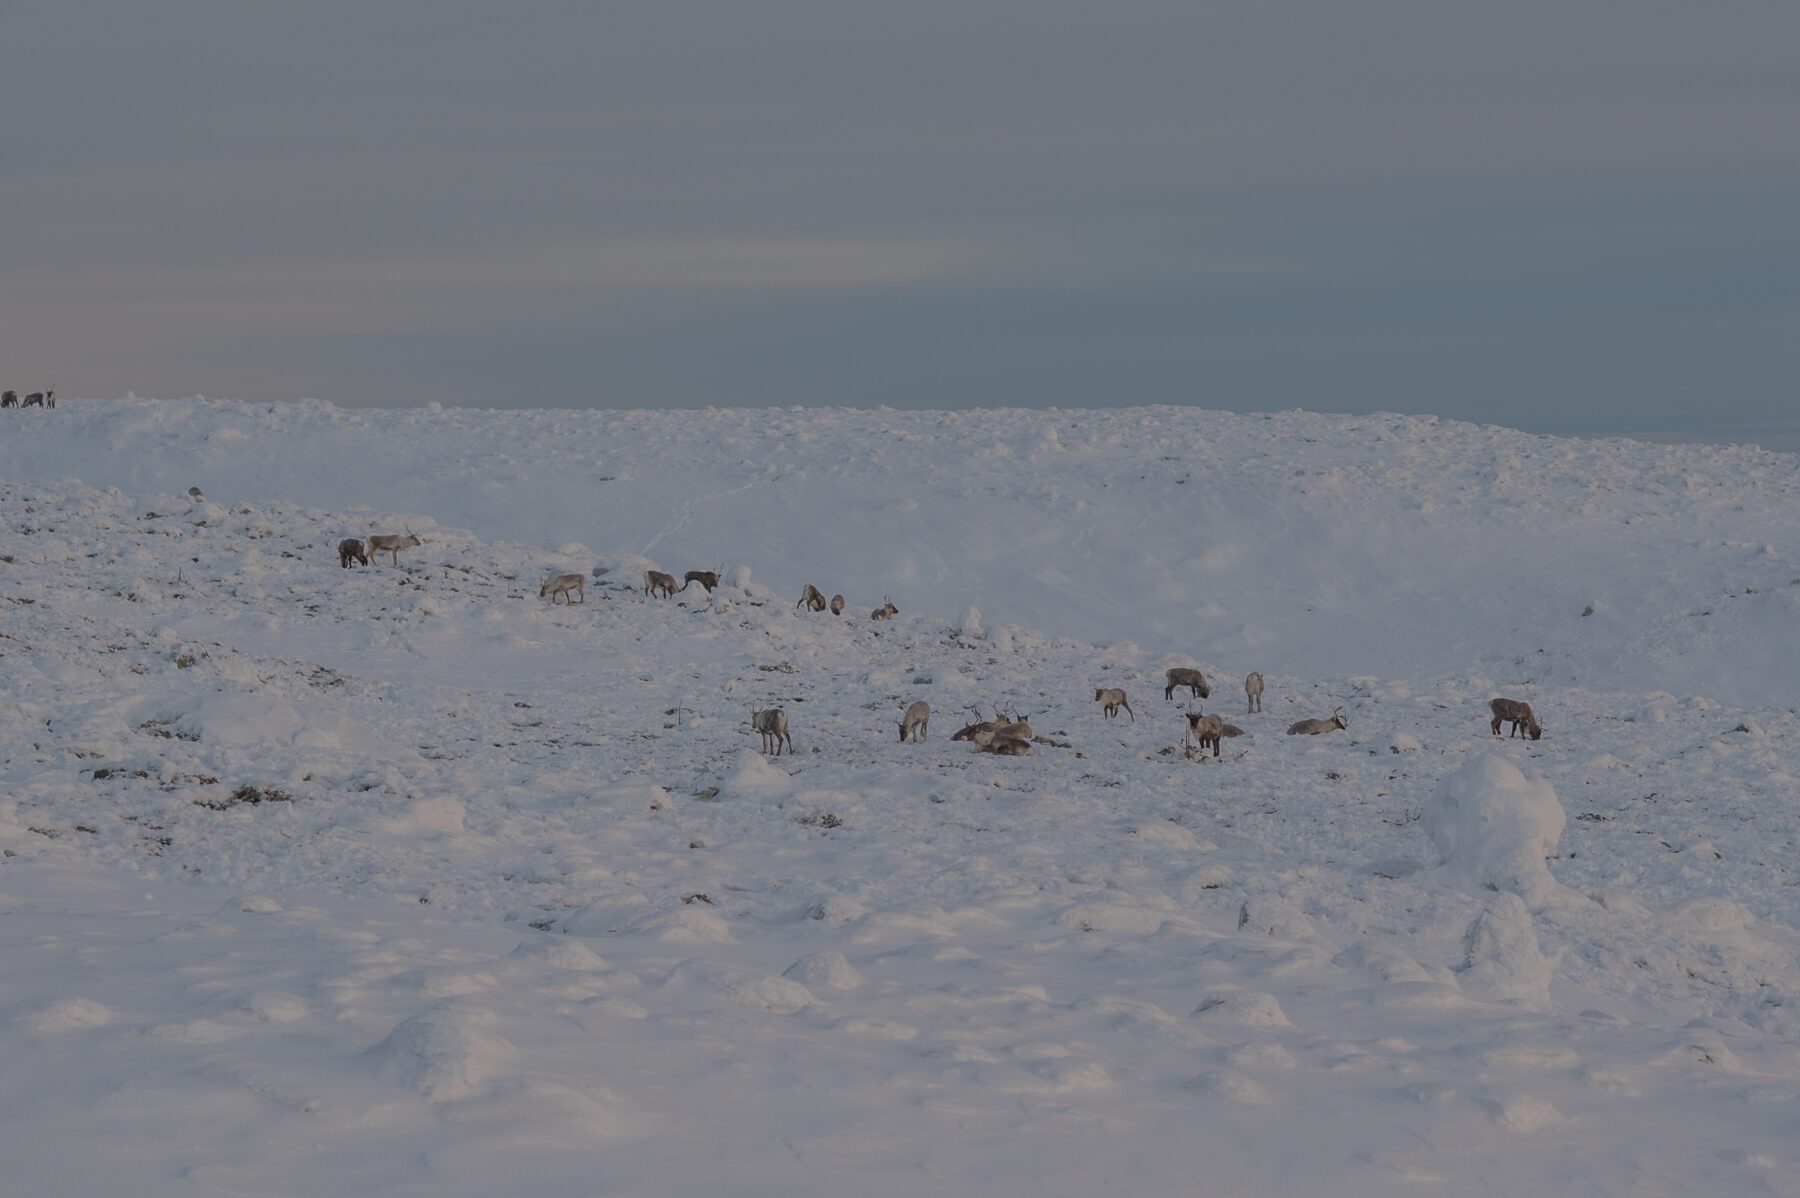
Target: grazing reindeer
[
  {"x": 886, "y": 611},
  {"x": 982, "y": 731},
  {"x": 706, "y": 578},
  {"x": 40, "y": 399},
  {"x": 837, "y": 605},
  {"x": 774, "y": 728},
  {"x": 1008, "y": 746},
  {"x": 1520, "y": 716},
  {"x": 393, "y": 543},
  {"x": 1206, "y": 729},
  {"x": 1110, "y": 700},
  {"x": 810, "y": 599},
  {"x": 656, "y": 582},
  {"x": 1183, "y": 676},
  {"x": 1315, "y": 727},
  {"x": 562, "y": 584},
  {"x": 914, "y": 721},
  {"x": 9, "y": 399},
  {"x": 351, "y": 550}
]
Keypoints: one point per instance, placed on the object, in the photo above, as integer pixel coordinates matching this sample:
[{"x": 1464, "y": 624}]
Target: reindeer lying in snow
[
  {"x": 1520, "y": 716},
  {"x": 1316, "y": 727},
  {"x": 1190, "y": 678},
  {"x": 562, "y": 584},
  {"x": 914, "y": 721},
  {"x": 982, "y": 731},
  {"x": 773, "y": 726},
  {"x": 886, "y": 611}
]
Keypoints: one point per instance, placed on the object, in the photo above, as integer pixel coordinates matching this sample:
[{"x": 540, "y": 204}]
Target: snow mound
[
  {"x": 1501, "y": 960},
  {"x": 1244, "y": 1010},
  {"x": 441, "y": 1054},
  {"x": 828, "y": 969},
  {"x": 1494, "y": 827},
  {"x": 755, "y": 776}
]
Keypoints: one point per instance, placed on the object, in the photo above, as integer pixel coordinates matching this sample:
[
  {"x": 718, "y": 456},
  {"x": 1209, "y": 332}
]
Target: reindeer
[
  {"x": 1253, "y": 689},
  {"x": 1205, "y": 729},
  {"x": 40, "y": 399},
  {"x": 1110, "y": 700},
  {"x": 811, "y": 599},
  {"x": 1183, "y": 676},
  {"x": 1520, "y": 716},
  {"x": 351, "y": 550},
  {"x": 656, "y": 582},
  {"x": 1008, "y": 746},
  {"x": 562, "y": 584},
  {"x": 393, "y": 543},
  {"x": 9, "y": 399},
  {"x": 1315, "y": 727},
  {"x": 886, "y": 611},
  {"x": 982, "y": 731},
  {"x": 774, "y": 728},
  {"x": 706, "y": 578},
  {"x": 1019, "y": 728},
  {"x": 837, "y": 605},
  {"x": 195, "y": 494},
  {"x": 914, "y": 721}
]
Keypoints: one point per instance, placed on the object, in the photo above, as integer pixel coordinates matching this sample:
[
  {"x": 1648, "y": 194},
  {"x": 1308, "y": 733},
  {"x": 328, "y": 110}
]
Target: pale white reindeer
[
  {"x": 562, "y": 584},
  {"x": 393, "y": 543},
  {"x": 1318, "y": 727},
  {"x": 914, "y": 721},
  {"x": 837, "y": 605},
  {"x": 658, "y": 583},
  {"x": 1008, "y": 746},
  {"x": 773, "y": 726},
  {"x": 1110, "y": 700},
  {"x": 1253, "y": 691}
]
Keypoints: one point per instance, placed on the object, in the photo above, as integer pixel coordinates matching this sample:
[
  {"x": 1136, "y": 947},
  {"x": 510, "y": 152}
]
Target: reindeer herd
[
  {"x": 37, "y": 399},
  {"x": 1003, "y": 735}
]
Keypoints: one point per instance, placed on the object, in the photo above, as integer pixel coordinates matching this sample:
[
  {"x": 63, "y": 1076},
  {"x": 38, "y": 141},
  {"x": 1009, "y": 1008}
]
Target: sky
[{"x": 1563, "y": 216}]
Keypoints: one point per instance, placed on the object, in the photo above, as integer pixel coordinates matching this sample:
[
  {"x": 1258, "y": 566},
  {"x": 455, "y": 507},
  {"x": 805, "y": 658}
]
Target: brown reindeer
[
  {"x": 658, "y": 583},
  {"x": 811, "y": 599},
  {"x": 393, "y": 543},
  {"x": 1190, "y": 678},
  {"x": 1520, "y": 716},
  {"x": 351, "y": 550}
]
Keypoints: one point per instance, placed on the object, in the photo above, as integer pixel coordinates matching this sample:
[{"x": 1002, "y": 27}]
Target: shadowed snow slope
[{"x": 1295, "y": 542}]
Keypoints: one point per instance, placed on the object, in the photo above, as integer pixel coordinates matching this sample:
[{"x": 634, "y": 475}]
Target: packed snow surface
[{"x": 403, "y": 880}]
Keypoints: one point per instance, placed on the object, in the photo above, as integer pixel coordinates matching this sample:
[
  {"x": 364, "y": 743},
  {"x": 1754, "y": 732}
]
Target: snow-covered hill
[
  {"x": 401, "y": 880},
  {"x": 1297, "y": 542}
]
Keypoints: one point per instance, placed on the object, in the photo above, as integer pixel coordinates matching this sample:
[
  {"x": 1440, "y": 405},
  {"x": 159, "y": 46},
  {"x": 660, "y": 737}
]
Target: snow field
[{"x": 499, "y": 896}]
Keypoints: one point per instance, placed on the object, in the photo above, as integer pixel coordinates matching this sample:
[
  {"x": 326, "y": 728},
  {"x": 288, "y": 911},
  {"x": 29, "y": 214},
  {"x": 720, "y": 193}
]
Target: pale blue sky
[{"x": 1571, "y": 217}]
